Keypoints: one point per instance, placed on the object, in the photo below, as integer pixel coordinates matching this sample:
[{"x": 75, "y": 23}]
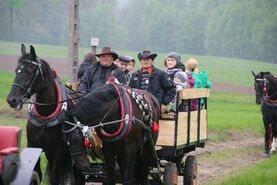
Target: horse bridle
[
  {"x": 264, "y": 85},
  {"x": 37, "y": 73},
  {"x": 264, "y": 89}
]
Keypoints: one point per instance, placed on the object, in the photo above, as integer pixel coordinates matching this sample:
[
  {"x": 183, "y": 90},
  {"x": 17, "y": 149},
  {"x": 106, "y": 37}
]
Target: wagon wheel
[
  {"x": 170, "y": 174},
  {"x": 35, "y": 179},
  {"x": 190, "y": 171}
]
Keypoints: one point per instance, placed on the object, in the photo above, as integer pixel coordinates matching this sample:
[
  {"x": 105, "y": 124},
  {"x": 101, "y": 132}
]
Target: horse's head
[
  {"x": 271, "y": 86},
  {"x": 28, "y": 79},
  {"x": 260, "y": 85}
]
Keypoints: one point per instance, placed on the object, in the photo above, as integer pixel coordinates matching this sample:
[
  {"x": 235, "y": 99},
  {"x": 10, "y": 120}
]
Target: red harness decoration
[
  {"x": 54, "y": 118},
  {"x": 125, "y": 108},
  {"x": 57, "y": 110}
]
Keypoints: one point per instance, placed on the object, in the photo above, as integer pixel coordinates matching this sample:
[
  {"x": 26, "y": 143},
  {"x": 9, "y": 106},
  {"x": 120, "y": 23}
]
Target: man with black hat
[
  {"x": 97, "y": 75},
  {"x": 153, "y": 80}
]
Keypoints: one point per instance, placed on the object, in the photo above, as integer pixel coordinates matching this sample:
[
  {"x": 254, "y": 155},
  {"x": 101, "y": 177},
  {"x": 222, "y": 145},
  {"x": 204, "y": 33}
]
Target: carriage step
[{"x": 97, "y": 172}]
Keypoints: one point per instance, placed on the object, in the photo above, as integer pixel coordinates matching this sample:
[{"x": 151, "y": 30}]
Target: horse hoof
[
  {"x": 266, "y": 155},
  {"x": 272, "y": 152}
]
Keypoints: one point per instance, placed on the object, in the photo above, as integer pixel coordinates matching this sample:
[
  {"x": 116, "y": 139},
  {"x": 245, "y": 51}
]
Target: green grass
[
  {"x": 263, "y": 173},
  {"x": 219, "y": 69},
  {"x": 5, "y": 83},
  {"x": 234, "y": 112}
]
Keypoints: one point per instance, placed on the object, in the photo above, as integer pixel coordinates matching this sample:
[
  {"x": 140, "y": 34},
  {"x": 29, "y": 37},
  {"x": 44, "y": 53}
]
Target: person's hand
[{"x": 163, "y": 108}]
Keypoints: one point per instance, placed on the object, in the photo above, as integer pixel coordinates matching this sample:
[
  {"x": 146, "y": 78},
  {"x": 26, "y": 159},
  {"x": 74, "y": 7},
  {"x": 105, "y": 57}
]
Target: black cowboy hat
[
  {"x": 147, "y": 54},
  {"x": 108, "y": 51},
  {"x": 124, "y": 59}
]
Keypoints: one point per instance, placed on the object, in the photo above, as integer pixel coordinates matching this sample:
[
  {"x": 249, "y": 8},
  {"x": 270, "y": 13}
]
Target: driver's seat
[{"x": 9, "y": 152}]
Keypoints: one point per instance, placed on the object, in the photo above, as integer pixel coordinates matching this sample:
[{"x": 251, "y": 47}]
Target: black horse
[
  {"x": 35, "y": 77},
  {"x": 126, "y": 123},
  {"x": 266, "y": 94}
]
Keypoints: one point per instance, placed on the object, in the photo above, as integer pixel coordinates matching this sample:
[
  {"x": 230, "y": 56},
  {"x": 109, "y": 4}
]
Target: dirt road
[{"x": 239, "y": 151}]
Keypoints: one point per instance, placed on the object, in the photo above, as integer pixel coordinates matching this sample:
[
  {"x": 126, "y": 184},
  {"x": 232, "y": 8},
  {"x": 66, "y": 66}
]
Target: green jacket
[{"x": 201, "y": 80}]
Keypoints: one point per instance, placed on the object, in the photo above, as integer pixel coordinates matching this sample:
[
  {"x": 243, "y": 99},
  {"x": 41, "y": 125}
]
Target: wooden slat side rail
[
  {"x": 186, "y": 94},
  {"x": 182, "y": 127},
  {"x": 166, "y": 131}
]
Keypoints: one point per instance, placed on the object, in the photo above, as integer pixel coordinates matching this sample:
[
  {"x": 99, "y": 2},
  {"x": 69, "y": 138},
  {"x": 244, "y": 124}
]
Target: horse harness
[
  {"x": 127, "y": 119},
  {"x": 53, "y": 119}
]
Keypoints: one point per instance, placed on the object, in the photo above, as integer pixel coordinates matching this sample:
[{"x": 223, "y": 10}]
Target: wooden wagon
[{"x": 181, "y": 133}]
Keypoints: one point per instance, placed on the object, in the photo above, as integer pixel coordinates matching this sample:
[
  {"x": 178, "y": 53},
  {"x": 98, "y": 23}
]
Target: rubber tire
[
  {"x": 170, "y": 176},
  {"x": 35, "y": 179},
  {"x": 190, "y": 171}
]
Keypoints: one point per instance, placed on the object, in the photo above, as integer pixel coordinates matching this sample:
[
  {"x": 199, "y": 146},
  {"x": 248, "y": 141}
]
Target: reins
[
  {"x": 26, "y": 101},
  {"x": 77, "y": 124}
]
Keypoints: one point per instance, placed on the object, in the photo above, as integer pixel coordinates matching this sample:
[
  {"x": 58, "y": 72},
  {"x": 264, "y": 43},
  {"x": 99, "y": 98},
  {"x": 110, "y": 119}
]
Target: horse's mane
[{"x": 93, "y": 101}]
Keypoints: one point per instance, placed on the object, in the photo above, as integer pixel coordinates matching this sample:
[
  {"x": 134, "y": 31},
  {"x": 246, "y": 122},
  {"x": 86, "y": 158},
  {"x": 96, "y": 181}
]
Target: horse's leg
[
  {"x": 267, "y": 134},
  {"x": 33, "y": 145},
  {"x": 58, "y": 168},
  {"x": 146, "y": 160},
  {"x": 129, "y": 163},
  {"x": 38, "y": 169},
  {"x": 274, "y": 140},
  {"x": 109, "y": 154}
]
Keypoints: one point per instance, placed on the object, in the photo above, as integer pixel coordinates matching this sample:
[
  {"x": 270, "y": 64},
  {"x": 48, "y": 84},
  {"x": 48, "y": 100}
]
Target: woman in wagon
[
  {"x": 176, "y": 71},
  {"x": 97, "y": 75},
  {"x": 153, "y": 80}
]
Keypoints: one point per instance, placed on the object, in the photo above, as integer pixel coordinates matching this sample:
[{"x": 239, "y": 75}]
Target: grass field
[
  {"x": 261, "y": 174},
  {"x": 219, "y": 69}
]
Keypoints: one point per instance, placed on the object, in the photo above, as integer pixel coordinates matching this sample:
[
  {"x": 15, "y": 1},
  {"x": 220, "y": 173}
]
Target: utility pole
[
  {"x": 11, "y": 23},
  {"x": 73, "y": 44}
]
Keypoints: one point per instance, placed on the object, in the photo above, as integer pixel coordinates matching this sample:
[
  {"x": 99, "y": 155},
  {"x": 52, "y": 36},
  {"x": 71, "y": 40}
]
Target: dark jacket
[
  {"x": 160, "y": 85},
  {"x": 83, "y": 67},
  {"x": 97, "y": 75}
]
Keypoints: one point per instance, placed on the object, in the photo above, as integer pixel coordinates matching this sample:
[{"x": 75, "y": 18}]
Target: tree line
[{"x": 230, "y": 28}]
